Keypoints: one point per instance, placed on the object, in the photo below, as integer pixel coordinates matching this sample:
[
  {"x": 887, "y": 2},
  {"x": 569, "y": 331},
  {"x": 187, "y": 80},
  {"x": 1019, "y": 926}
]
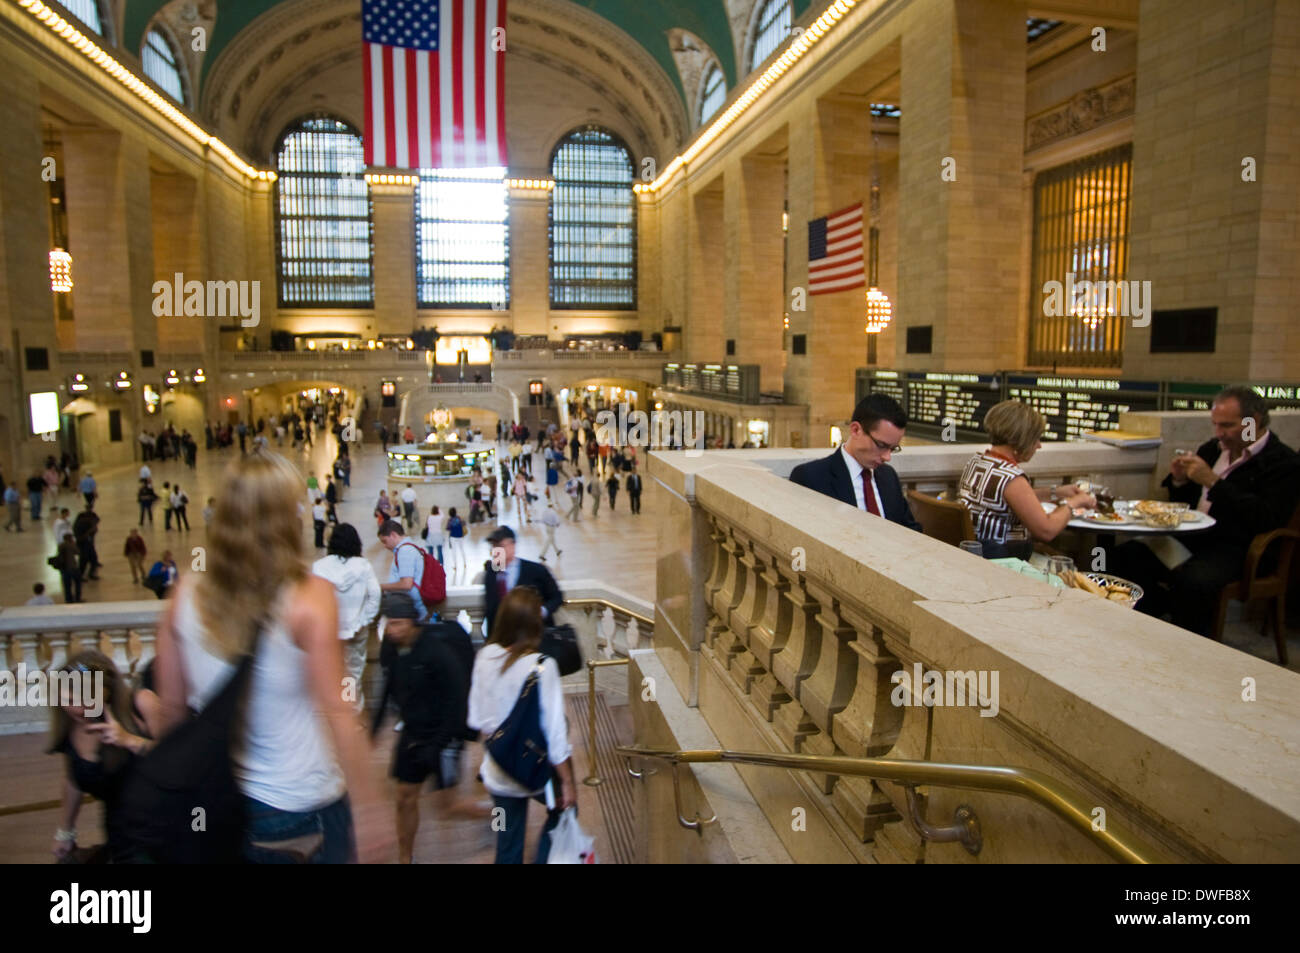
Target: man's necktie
[{"x": 867, "y": 494}]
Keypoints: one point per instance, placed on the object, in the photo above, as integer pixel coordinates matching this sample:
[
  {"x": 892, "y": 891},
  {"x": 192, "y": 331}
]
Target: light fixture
[
  {"x": 199, "y": 376},
  {"x": 371, "y": 344},
  {"x": 879, "y": 309},
  {"x": 384, "y": 178},
  {"x": 79, "y": 384},
  {"x": 410, "y": 345},
  {"x": 172, "y": 378},
  {"x": 311, "y": 345},
  {"x": 60, "y": 271},
  {"x": 122, "y": 381}
]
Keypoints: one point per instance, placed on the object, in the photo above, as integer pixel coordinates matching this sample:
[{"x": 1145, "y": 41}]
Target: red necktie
[
  {"x": 501, "y": 586},
  {"x": 867, "y": 495}
]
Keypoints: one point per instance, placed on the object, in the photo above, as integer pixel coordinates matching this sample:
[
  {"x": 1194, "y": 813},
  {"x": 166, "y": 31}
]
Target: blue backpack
[{"x": 518, "y": 746}]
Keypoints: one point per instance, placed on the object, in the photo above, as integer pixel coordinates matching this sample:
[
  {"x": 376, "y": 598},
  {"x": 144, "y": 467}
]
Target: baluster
[
  {"x": 606, "y": 627},
  {"x": 116, "y": 650},
  {"x": 633, "y": 635},
  {"x": 773, "y": 627},
  {"x": 463, "y": 620},
  {"x": 57, "y": 645}
]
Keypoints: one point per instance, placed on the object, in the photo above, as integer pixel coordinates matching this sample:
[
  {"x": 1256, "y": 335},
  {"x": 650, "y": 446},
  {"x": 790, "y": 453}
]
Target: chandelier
[
  {"x": 60, "y": 271},
  {"x": 879, "y": 309}
]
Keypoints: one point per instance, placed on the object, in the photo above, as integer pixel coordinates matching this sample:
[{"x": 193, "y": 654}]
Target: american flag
[
  {"x": 835, "y": 252},
  {"x": 434, "y": 86}
]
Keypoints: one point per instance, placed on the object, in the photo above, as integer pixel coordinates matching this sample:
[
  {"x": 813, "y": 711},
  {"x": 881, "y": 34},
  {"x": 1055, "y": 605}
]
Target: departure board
[
  {"x": 934, "y": 399},
  {"x": 890, "y": 383},
  {"x": 1073, "y": 405}
]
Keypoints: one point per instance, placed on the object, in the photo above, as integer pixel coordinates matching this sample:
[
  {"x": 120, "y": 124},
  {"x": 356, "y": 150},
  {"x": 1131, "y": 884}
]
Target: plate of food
[
  {"x": 1111, "y": 588},
  {"x": 1112, "y": 517}
]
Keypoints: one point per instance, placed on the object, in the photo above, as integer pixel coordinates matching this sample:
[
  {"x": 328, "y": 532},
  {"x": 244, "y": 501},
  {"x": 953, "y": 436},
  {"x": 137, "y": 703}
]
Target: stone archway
[{"x": 421, "y": 401}]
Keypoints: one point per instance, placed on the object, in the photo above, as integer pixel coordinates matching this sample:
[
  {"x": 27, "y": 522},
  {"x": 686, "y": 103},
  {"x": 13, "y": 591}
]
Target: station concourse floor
[{"x": 616, "y": 547}]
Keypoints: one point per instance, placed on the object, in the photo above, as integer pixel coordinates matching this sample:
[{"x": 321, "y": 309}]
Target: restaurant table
[{"x": 1199, "y": 526}]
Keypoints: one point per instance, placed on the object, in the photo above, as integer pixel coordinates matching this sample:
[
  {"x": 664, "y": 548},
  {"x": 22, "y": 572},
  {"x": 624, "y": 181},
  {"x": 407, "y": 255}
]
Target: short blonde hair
[{"x": 1017, "y": 425}]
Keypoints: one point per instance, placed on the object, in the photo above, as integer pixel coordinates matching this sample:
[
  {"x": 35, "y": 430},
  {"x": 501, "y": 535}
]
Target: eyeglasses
[{"x": 881, "y": 445}]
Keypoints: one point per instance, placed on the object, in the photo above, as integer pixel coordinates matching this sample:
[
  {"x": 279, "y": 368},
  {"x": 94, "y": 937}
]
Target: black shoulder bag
[
  {"x": 518, "y": 746},
  {"x": 181, "y": 803}
]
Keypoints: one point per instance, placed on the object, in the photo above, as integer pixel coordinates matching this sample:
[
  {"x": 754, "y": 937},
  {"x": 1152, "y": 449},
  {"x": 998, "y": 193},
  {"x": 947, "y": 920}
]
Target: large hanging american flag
[
  {"x": 434, "y": 85},
  {"x": 835, "y": 260}
]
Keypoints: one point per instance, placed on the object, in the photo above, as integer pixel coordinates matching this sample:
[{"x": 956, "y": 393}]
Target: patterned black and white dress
[{"x": 983, "y": 490}]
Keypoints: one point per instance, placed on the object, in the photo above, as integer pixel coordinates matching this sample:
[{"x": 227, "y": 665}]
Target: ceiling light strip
[
  {"x": 809, "y": 38},
  {"x": 93, "y": 52}
]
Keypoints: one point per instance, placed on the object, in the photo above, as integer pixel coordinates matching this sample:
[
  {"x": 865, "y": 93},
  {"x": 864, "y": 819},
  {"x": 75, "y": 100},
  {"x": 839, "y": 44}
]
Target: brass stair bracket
[
  {"x": 965, "y": 827},
  {"x": 698, "y": 824}
]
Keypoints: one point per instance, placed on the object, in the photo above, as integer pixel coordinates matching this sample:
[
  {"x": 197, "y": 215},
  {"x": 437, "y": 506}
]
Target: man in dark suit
[
  {"x": 858, "y": 473},
  {"x": 633, "y": 487},
  {"x": 504, "y": 571},
  {"x": 1248, "y": 480}
]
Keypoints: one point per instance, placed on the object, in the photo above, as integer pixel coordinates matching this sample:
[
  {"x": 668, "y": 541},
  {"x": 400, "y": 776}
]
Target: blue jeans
[
  {"x": 35, "y": 499},
  {"x": 267, "y": 825},
  {"x": 510, "y": 839}
]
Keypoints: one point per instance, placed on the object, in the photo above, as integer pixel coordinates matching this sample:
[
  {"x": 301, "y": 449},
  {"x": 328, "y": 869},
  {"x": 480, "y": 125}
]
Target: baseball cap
[{"x": 501, "y": 533}]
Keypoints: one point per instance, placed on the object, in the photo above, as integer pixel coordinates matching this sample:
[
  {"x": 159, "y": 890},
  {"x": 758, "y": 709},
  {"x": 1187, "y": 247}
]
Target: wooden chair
[
  {"x": 941, "y": 520},
  {"x": 1272, "y": 586}
]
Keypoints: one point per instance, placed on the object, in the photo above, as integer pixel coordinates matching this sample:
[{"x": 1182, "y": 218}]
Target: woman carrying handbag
[{"x": 516, "y": 701}]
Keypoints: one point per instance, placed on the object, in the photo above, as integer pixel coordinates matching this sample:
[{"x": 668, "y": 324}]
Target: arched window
[
  {"x": 162, "y": 65},
  {"x": 713, "y": 92},
  {"x": 592, "y": 223},
  {"x": 325, "y": 241},
  {"x": 771, "y": 30},
  {"x": 462, "y": 239},
  {"x": 89, "y": 13}
]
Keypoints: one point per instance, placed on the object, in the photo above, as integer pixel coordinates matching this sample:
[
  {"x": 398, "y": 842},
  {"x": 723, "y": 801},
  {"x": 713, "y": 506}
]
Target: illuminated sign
[
  {"x": 388, "y": 388},
  {"x": 45, "y": 412},
  {"x": 478, "y": 350}
]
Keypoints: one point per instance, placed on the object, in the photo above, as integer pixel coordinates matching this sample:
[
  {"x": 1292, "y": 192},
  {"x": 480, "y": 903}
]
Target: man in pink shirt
[{"x": 1245, "y": 478}]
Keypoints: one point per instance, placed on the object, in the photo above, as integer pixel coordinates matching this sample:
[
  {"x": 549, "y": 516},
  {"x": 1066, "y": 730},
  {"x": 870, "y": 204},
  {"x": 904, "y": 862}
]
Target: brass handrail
[
  {"x": 593, "y": 779},
  {"x": 1065, "y": 803}
]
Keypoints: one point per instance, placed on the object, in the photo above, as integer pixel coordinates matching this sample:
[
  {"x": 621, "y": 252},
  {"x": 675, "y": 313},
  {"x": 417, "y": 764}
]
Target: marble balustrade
[
  {"x": 781, "y": 616},
  {"x": 45, "y": 637}
]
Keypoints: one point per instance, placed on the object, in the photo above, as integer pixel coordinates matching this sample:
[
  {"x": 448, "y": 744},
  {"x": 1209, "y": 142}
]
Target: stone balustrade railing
[
  {"x": 43, "y": 638},
  {"x": 783, "y": 617}
]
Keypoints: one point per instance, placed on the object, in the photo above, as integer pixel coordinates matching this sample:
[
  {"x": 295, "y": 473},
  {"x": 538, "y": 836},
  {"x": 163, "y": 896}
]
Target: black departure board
[
  {"x": 1073, "y": 405},
  {"x": 1185, "y": 396},
  {"x": 891, "y": 383},
  {"x": 936, "y": 399}
]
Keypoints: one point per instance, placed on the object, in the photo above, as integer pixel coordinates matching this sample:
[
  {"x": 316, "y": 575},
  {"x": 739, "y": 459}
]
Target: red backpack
[{"x": 433, "y": 581}]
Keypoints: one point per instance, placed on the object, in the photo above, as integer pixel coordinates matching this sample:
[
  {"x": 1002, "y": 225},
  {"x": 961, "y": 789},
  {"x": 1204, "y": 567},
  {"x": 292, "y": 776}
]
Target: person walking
[
  {"x": 573, "y": 487},
  {"x": 595, "y": 489},
  {"x": 89, "y": 488},
  {"x": 454, "y": 528},
  {"x": 67, "y": 562},
  {"x": 62, "y": 525},
  {"x": 509, "y": 661},
  {"x": 162, "y": 575},
  {"x": 167, "y": 505},
  {"x": 408, "y": 506},
  {"x": 179, "y": 502},
  {"x": 135, "y": 552},
  {"x": 407, "y": 570},
  {"x": 84, "y": 528},
  {"x": 611, "y": 487},
  {"x": 434, "y": 535},
  {"x": 318, "y": 521},
  {"x": 313, "y": 487},
  {"x": 302, "y": 765},
  {"x": 632, "y": 484},
  {"x": 331, "y": 500},
  {"x": 591, "y": 452},
  {"x": 35, "y": 495},
  {"x": 52, "y": 478},
  {"x": 521, "y": 498},
  {"x": 15, "y": 503},
  {"x": 356, "y": 589},
  {"x": 146, "y": 496},
  {"x": 551, "y": 520}
]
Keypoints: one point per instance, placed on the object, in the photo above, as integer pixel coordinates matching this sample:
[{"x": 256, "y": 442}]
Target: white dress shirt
[{"x": 855, "y": 477}]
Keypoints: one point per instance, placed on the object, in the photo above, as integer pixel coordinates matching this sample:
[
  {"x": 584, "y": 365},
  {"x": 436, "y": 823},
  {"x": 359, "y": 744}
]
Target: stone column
[
  {"x": 754, "y": 200},
  {"x": 704, "y": 305},
  {"x": 530, "y": 294},
  {"x": 394, "y": 268},
  {"x": 961, "y": 155}
]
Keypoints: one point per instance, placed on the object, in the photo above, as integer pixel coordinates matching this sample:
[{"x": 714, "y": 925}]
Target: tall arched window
[
  {"x": 592, "y": 223},
  {"x": 771, "y": 30},
  {"x": 89, "y": 13},
  {"x": 325, "y": 241},
  {"x": 713, "y": 93},
  {"x": 162, "y": 65},
  {"x": 462, "y": 239}
]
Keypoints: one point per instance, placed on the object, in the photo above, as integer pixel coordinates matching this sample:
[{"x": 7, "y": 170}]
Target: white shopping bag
[{"x": 570, "y": 844}]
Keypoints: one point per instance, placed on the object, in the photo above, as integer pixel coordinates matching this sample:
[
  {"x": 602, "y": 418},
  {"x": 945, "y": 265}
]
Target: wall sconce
[
  {"x": 172, "y": 378},
  {"x": 199, "y": 376},
  {"x": 122, "y": 381},
  {"x": 79, "y": 384}
]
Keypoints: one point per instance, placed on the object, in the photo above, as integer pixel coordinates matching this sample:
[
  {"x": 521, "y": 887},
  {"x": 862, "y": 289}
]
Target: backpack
[
  {"x": 433, "y": 581},
  {"x": 455, "y": 528},
  {"x": 518, "y": 746}
]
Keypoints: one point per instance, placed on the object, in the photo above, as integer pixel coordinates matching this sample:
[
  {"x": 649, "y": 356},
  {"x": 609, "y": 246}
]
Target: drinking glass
[
  {"x": 1062, "y": 566},
  {"x": 973, "y": 546}
]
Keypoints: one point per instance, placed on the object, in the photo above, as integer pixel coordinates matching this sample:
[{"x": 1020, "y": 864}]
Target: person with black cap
[
  {"x": 504, "y": 571},
  {"x": 427, "y": 672}
]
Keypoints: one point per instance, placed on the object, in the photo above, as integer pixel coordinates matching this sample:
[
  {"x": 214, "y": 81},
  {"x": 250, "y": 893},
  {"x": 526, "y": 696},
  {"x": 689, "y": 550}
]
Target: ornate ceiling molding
[{"x": 1085, "y": 110}]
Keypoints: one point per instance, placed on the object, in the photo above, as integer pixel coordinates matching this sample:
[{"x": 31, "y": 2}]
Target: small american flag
[
  {"x": 434, "y": 86},
  {"x": 835, "y": 252}
]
